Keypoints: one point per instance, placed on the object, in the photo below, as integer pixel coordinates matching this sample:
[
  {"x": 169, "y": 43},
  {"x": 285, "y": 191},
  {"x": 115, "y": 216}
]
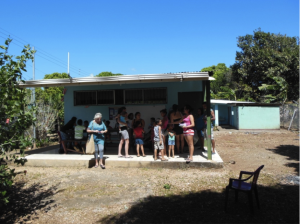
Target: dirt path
[
  {"x": 278, "y": 151},
  {"x": 119, "y": 195}
]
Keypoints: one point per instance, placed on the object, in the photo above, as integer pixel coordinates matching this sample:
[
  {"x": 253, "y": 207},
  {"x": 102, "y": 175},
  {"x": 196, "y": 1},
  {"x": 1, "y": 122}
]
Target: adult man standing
[{"x": 212, "y": 113}]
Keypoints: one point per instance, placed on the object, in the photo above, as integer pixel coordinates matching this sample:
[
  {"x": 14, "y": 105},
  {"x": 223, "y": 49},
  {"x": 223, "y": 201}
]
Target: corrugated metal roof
[
  {"x": 256, "y": 104},
  {"x": 122, "y": 79},
  {"x": 213, "y": 101},
  {"x": 243, "y": 103}
]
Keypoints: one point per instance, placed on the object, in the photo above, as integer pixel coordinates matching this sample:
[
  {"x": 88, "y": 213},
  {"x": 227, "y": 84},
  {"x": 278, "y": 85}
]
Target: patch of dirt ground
[{"x": 141, "y": 195}]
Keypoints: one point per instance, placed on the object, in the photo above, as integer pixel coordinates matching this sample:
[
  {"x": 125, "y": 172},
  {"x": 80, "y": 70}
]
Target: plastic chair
[{"x": 241, "y": 185}]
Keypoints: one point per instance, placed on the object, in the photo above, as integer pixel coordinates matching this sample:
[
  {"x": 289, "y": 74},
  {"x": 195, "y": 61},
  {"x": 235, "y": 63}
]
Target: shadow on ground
[
  {"x": 226, "y": 126},
  {"x": 291, "y": 151},
  {"x": 40, "y": 150},
  {"x": 25, "y": 201},
  {"x": 279, "y": 204}
]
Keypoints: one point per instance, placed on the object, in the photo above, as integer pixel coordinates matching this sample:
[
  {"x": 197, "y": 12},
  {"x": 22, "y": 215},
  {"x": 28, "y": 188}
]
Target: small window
[
  {"x": 85, "y": 98},
  {"x": 105, "y": 97},
  {"x": 155, "y": 96},
  {"x": 134, "y": 96}
]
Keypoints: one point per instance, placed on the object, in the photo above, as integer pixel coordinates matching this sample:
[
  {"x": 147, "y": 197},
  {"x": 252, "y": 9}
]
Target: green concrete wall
[
  {"x": 223, "y": 114},
  {"x": 255, "y": 117},
  {"x": 88, "y": 113}
]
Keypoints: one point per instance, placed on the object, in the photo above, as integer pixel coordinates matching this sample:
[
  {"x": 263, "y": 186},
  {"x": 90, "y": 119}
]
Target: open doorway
[{"x": 194, "y": 99}]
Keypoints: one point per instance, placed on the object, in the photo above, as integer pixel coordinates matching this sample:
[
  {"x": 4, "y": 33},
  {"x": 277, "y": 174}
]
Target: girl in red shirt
[{"x": 138, "y": 132}]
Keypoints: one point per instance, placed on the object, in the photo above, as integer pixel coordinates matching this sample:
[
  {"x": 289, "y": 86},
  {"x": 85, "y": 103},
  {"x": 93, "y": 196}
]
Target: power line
[
  {"x": 44, "y": 73},
  {"x": 53, "y": 57},
  {"x": 52, "y": 62},
  {"x": 72, "y": 69},
  {"x": 26, "y": 64},
  {"x": 30, "y": 65},
  {"x": 37, "y": 52}
]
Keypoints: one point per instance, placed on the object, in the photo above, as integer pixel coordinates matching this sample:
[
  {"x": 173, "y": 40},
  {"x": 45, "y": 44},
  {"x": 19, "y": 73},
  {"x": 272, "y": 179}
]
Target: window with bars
[
  {"x": 120, "y": 96},
  {"x": 105, "y": 97},
  {"x": 85, "y": 98},
  {"x": 133, "y": 96},
  {"x": 155, "y": 96},
  {"x": 146, "y": 96}
]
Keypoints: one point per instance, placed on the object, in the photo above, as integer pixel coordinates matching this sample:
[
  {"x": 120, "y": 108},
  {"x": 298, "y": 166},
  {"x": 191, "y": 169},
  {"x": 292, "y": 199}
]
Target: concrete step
[{"x": 52, "y": 159}]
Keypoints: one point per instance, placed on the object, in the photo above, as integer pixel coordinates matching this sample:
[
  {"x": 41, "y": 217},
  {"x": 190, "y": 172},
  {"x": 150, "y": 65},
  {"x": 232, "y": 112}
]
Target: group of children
[
  {"x": 157, "y": 139},
  {"x": 156, "y": 136}
]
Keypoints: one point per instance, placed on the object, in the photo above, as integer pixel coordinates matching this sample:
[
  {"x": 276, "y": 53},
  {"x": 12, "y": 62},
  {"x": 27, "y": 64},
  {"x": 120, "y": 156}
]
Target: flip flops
[
  {"x": 129, "y": 157},
  {"x": 121, "y": 156},
  {"x": 95, "y": 166},
  {"x": 102, "y": 166},
  {"x": 188, "y": 160}
]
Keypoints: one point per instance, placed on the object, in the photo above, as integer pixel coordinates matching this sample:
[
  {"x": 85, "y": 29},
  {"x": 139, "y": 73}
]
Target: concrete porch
[{"x": 49, "y": 157}]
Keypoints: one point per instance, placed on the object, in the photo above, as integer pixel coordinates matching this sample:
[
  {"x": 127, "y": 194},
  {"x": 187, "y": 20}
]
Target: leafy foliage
[
  {"x": 167, "y": 186},
  {"x": 222, "y": 87},
  {"x": 14, "y": 119},
  {"x": 46, "y": 116},
  {"x": 280, "y": 86},
  {"x": 267, "y": 64},
  {"x": 219, "y": 73},
  {"x": 102, "y": 74},
  {"x": 53, "y": 94}
]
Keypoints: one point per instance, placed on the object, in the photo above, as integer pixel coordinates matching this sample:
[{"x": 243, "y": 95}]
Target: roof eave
[
  {"x": 113, "y": 80},
  {"x": 256, "y": 104}
]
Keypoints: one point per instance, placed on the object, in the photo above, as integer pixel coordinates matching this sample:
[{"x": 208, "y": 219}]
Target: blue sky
[{"x": 138, "y": 36}]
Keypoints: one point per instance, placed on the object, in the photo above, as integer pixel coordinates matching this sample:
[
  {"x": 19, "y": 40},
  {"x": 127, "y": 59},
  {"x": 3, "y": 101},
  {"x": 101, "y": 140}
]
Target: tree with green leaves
[
  {"x": 219, "y": 73},
  {"x": 281, "y": 88},
  {"x": 103, "y": 74},
  {"x": 267, "y": 67},
  {"x": 221, "y": 87},
  {"x": 53, "y": 94},
  {"x": 14, "y": 119}
]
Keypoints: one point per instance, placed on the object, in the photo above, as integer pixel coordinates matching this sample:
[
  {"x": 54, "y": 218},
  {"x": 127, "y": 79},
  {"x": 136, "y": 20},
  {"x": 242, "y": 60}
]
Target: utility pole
[
  {"x": 33, "y": 100},
  {"x": 208, "y": 121},
  {"x": 69, "y": 64}
]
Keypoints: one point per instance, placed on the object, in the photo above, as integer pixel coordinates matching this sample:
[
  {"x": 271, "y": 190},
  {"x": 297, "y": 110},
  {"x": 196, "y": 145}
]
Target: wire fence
[{"x": 289, "y": 116}]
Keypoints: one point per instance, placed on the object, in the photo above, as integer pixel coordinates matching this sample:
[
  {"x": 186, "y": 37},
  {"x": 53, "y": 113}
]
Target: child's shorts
[
  {"x": 139, "y": 141},
  {"x": 158, "y": 146},
  {"x": 171, "y": 142},
  {"x": 188, "y": 132},
  {"x": 124, "y": 134},
  {"x": 211, "y": 134}
]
